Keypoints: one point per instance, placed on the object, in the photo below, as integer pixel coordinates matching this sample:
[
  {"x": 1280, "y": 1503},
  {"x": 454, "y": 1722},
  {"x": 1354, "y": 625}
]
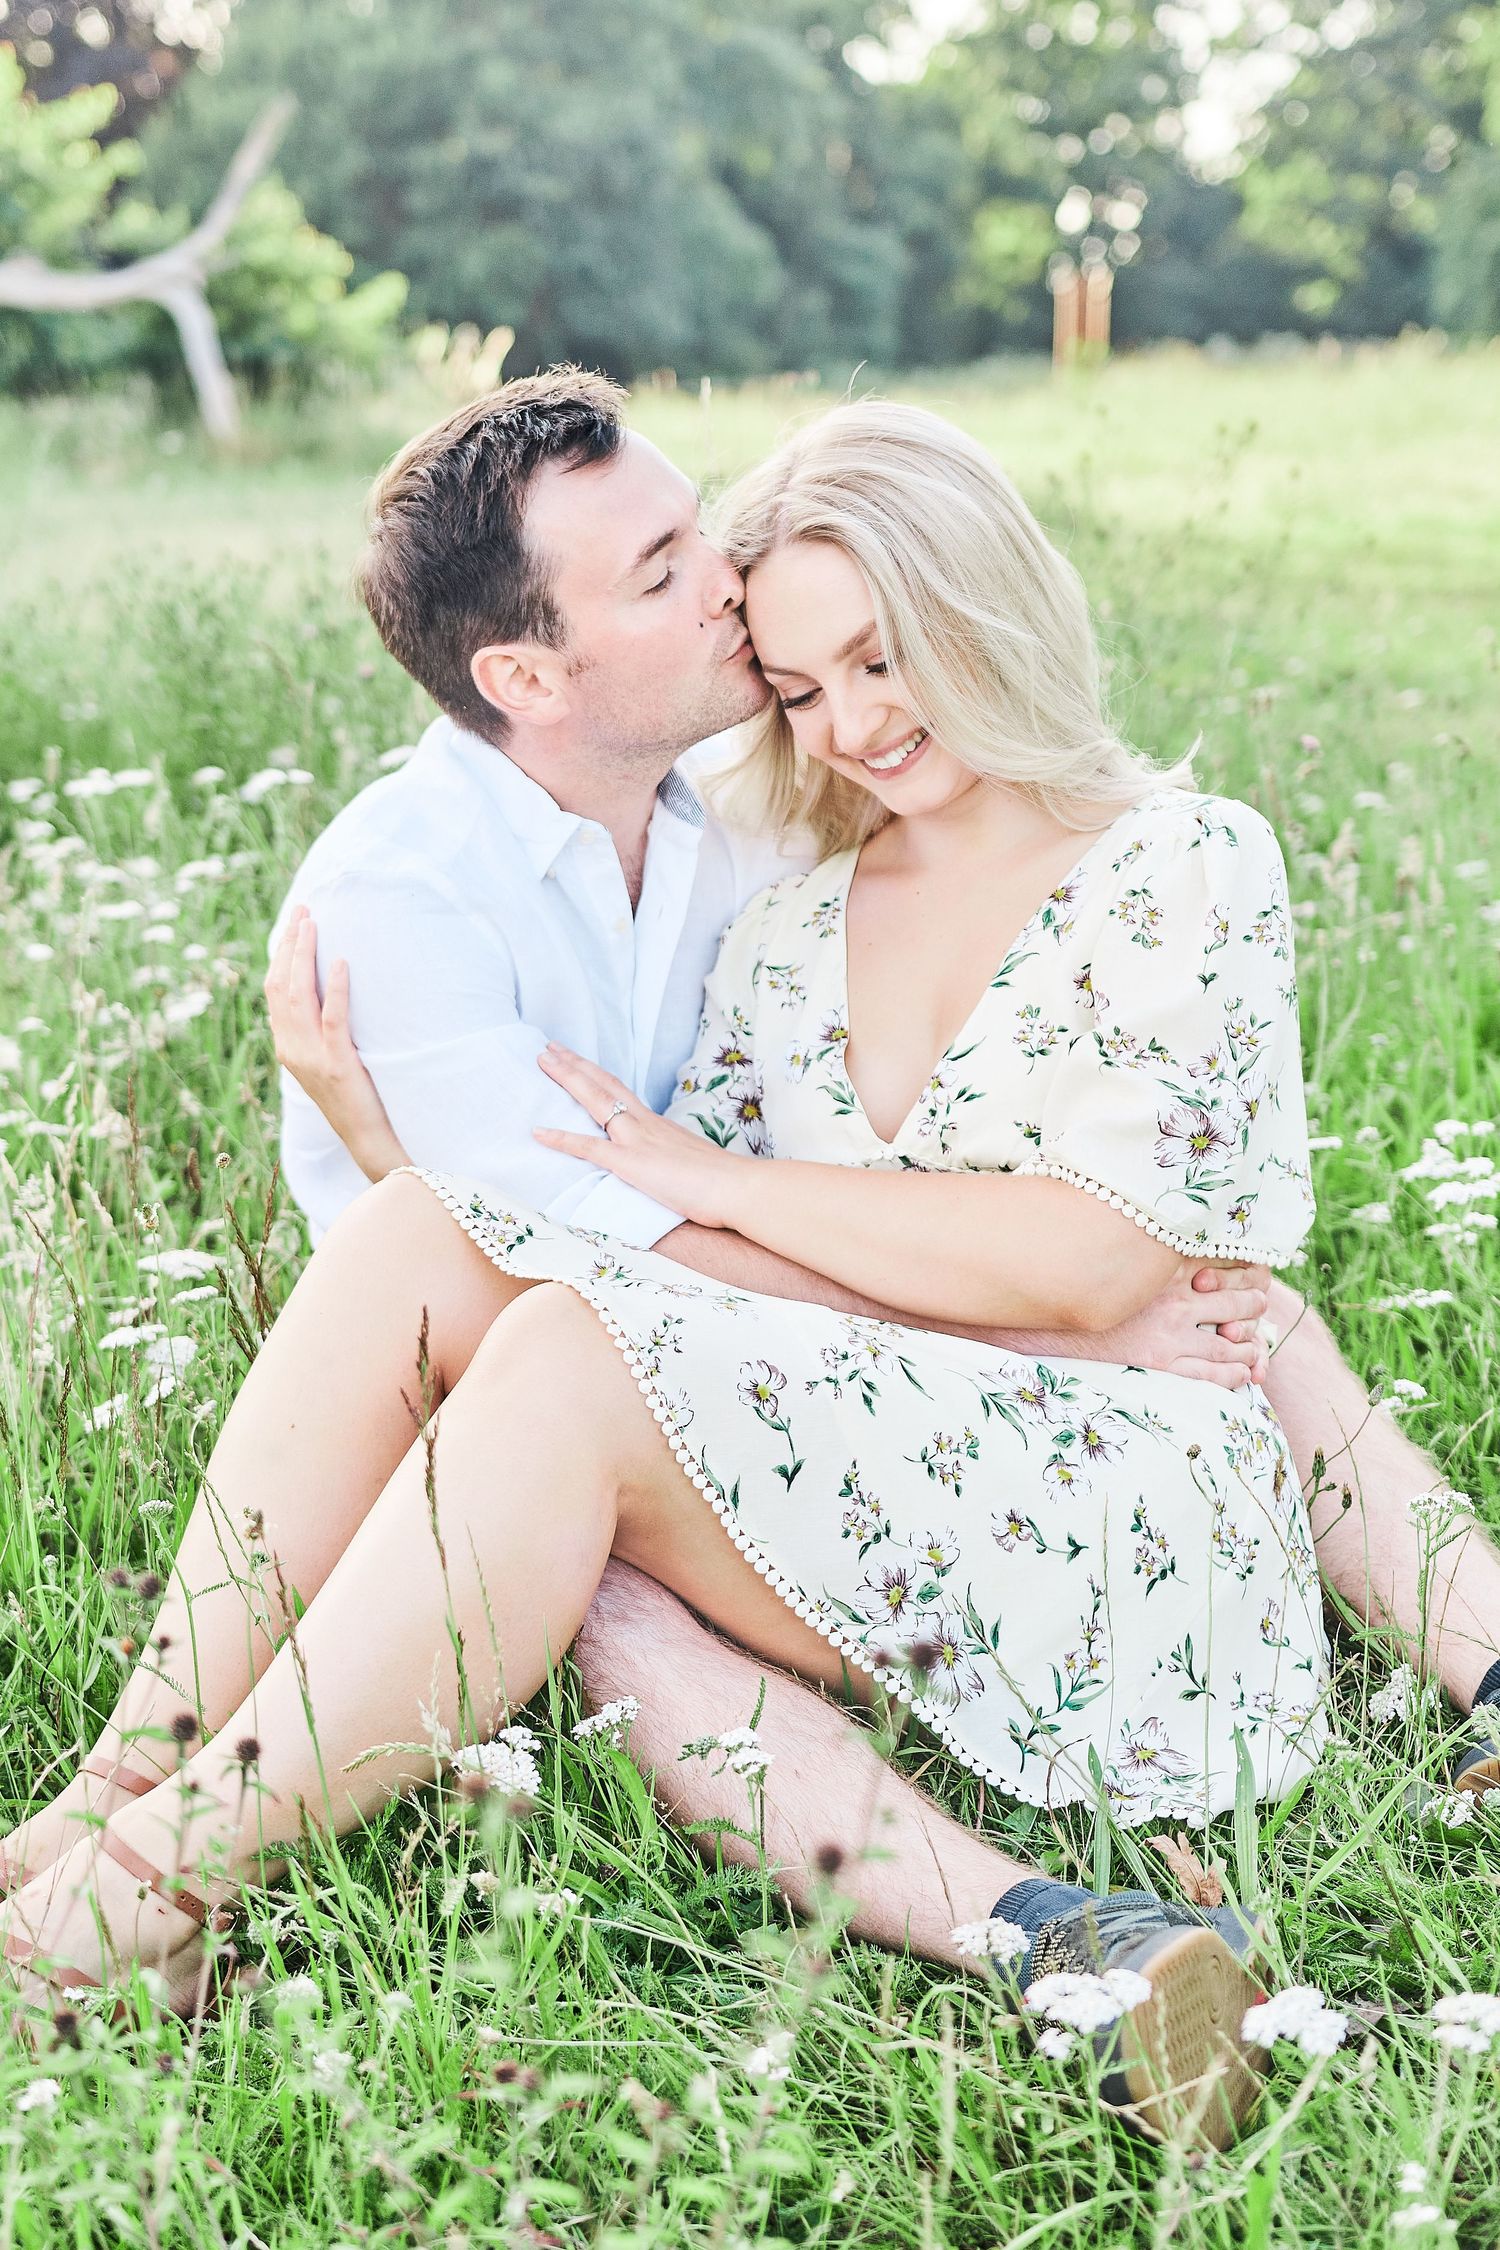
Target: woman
[{"x": 1064, "y": 1568}]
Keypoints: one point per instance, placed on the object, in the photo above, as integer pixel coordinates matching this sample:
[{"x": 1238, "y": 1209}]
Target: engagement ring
[{"x": 618, "y": 1111}]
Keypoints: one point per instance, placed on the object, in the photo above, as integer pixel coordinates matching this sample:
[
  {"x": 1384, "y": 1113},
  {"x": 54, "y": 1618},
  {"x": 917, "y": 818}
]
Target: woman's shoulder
[
  {"x": 809, "y": 900},
  {"x": 1227, "y": 836}
]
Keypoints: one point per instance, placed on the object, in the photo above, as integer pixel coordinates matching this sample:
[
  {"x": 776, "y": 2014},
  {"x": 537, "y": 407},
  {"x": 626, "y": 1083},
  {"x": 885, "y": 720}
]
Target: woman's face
[{"x": 813, "y": 624}]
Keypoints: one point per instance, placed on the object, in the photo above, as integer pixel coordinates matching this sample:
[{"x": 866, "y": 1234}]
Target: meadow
[{"x": 567, "y": 2029}]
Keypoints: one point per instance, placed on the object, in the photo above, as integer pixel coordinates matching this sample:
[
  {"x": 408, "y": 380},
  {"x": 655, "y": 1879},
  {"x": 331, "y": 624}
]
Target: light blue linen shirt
[{"x": 480, "y": 920}]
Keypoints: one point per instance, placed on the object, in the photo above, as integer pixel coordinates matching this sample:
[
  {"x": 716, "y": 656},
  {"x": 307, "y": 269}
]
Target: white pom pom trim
[{"x": 1191, "y": 1246}]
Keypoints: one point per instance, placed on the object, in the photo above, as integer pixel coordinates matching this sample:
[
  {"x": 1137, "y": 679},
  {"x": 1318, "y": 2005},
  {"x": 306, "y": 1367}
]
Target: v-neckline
[{"x": 989, "y": 984}]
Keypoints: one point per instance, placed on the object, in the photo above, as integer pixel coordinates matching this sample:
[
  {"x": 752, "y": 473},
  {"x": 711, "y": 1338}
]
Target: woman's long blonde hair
[{"x": 985, "y": 625}]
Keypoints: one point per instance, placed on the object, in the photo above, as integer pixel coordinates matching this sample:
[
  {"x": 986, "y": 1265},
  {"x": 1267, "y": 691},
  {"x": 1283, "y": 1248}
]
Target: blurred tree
[
  {"x": 1348, "y": 174},
  {"x": 278, "y": 292},
  {"x": 665, "y": 183},
  {"x": 139, "y": 47}
]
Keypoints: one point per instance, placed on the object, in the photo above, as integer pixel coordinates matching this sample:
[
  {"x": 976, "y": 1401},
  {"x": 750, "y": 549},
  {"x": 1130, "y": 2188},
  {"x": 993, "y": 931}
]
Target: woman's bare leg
[
  {"x": 321, "y": 1421},
  {"x": 546, "y": 1460}
]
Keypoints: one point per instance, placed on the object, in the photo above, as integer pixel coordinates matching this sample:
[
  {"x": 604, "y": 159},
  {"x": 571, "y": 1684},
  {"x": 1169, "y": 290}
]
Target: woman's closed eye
[
  {"x": 876, "y": 669},
  {"x": 662, "y": 583}
]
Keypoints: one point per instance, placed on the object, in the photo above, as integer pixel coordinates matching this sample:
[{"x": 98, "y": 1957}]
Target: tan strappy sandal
[
  {"x": 99, "y": 1768},
  {"x": 25, "y": 1953}
]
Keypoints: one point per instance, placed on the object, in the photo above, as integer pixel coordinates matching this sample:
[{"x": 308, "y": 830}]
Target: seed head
[{"x": 184, "y": 1728}]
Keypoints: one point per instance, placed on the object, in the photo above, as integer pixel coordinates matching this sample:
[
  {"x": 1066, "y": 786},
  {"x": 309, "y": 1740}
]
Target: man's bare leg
[
  {"x": 833, "y": 1808},
  {"x": 1371, "y": 1549}
]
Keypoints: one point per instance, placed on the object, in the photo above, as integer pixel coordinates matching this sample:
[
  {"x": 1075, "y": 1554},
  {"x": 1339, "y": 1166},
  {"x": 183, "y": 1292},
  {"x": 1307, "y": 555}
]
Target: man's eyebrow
[
  {"x": 855, "y": 641},
  {"x": 652, "y": 548},
  {"x": 663, "y": 539}
]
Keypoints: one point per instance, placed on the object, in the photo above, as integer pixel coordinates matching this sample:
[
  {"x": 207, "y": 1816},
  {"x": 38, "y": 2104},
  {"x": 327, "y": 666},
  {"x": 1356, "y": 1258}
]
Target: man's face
[{"x": 657, "y": 649}]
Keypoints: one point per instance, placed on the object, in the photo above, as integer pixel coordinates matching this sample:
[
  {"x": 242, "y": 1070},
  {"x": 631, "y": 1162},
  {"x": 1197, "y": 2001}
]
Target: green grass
[{"x": 1300, "y": 562}]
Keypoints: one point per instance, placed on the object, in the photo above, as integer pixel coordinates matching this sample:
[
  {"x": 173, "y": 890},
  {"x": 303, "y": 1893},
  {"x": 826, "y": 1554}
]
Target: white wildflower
[
  {"x": 1455, "y": 1811},
  {"x": 329, "y": 2068},
  {"x": 42, "y": 2093},
  {"x": 108, "y": 1411},
  {"x": 772, "y": 2060},
  {"x": 170, "y": 1353},
  {"x": 504, "y": 1766},
  {"x": 1298, "y": 2013},
  {"x": 394, "y": 2005},
  {"x": 1372, "y": 1214},
  {"x": 995, "y": 1939},
  {"x": 126, "y": 1339},
  {"x": 261, "y": 784},
  {"x": 1055, "y": 2043},
  {"x": 1469, "y": 2021},
  {"x": 206, "y": 776},
  {"x": 1084, "y": 2002},
  {"x": 1470, "y": 870},
  {"x": 22, "y": 791},
  {"x": 1413, "y": 2180},
  {"x": 1417, "y": 2215},
  {"x": 179, "y": 1265},
  {"x": 1396, "y": 1699},
  {"x": 611, "y": 1721},
  {"x": 744, "y": 1753},
  {"x": 1326, "y": 1141},
  {"x": 1413, "y": 1300}
]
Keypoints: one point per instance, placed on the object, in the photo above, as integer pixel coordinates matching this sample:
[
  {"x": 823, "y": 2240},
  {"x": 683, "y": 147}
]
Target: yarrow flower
[
  {"x": 1400, "y": 1698},
  {"x": 741, "y": 1751},
  {"x": 994, "y": 1940},
  {"x": 1298, "y": 2013},
  {"x": 1455, "y": 1811},
  {"x": 1055, "y": 2043},
  {"x": 772, "y": 2059},
  {"x": 507, "y": 1766},
  {"x": 1469, "y": 2021},
  {"x": 611, "y": 1721},
  {"x": 42, "y": 2093},
  {"x": 1084, "y": 2002}
]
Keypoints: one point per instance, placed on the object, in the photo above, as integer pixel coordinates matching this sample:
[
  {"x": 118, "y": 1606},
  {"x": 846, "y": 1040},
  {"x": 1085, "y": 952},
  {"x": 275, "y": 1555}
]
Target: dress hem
[{"x": 931, "y": 1715}]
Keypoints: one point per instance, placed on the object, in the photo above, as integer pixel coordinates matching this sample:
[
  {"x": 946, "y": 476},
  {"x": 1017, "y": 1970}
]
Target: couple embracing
[{"x": 835, "y": 1176}]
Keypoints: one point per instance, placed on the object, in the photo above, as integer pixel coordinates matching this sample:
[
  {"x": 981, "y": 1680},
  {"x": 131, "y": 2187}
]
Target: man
[{"x": 542, "y": 868}]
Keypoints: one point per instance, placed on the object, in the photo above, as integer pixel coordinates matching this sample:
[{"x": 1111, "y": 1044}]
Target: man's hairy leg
[
  {"x": 1370, "y": 1545},
  {"x": 834, "y": 1811}
]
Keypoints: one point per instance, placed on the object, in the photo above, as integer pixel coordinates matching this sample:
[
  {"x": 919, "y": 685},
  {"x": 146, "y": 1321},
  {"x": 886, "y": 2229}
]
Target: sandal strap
[
  {"x": 155, "y": 1879},
  {"x": 105, "y": 1769},
  {"x": 23, "y": 1950}
]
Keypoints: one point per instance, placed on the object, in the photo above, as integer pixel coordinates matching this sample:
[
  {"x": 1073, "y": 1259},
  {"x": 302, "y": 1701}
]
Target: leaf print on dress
[
  {"x": 944, "y": 1455},
  {"x": 863, "y": 1517},
  {"x": 1034, "y": 1035},
  {"x": 1154, "y": 1559}
]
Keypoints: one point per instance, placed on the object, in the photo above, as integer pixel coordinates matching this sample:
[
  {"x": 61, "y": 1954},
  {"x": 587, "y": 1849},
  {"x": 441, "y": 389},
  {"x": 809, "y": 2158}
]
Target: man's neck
[{"x": 621, "y": 803}]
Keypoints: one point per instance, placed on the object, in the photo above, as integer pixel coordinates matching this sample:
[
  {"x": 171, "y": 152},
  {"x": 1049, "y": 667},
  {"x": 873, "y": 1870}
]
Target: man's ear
[{"x": 525, "y": 682}]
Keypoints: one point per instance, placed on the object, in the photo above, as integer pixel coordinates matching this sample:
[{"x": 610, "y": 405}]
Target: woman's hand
[
  {"x": 313, "y": 1043},
  {"x": 668, "y": 1162}
]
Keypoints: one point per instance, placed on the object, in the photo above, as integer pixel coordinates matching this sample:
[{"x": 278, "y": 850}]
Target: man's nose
[{"x": 727, "y": 587}]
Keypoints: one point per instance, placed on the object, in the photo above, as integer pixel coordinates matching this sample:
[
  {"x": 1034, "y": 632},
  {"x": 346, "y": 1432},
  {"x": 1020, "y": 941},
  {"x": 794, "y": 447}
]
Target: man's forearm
[{"x": 740, "y": 1264}]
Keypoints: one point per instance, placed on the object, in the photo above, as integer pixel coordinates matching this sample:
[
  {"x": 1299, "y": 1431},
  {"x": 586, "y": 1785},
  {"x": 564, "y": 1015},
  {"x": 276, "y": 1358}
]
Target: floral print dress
[{"x": 1085, "y": 1578}]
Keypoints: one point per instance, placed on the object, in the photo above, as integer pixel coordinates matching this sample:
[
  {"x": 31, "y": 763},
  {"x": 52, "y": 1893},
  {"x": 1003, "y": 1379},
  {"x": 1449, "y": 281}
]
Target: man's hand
[
  {"x": 313, "y": 1043},
  {"x": 1204, "y": 1324}
]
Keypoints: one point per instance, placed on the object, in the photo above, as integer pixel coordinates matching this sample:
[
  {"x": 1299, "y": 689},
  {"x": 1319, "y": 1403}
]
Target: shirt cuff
[{"x": 611, "y": 1207}]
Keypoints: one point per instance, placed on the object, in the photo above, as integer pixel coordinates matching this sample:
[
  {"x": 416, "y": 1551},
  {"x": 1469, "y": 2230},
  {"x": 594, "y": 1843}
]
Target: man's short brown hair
[{"x": 446, "y": 569}]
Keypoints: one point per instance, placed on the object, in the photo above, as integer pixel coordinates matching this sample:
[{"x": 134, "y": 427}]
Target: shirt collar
[{"x": 534, "y": 818}]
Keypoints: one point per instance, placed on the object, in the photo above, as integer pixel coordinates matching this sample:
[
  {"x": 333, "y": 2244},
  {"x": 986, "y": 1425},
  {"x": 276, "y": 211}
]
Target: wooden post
[
  {"x": 1098, "y": 294},
  {"x": 1064, "y": 283},
  {"x": 175, "y": 278}
]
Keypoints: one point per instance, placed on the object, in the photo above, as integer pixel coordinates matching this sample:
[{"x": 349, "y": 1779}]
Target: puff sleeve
[{"x": 1180, "y": 1100}]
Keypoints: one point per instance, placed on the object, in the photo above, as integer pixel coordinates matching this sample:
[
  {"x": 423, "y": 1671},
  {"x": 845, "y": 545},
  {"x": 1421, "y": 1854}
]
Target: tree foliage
[{"x": 282, "y": 300}]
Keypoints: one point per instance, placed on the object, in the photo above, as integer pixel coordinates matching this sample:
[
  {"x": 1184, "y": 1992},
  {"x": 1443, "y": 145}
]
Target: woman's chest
[{"x": 907, "y": 1041}]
